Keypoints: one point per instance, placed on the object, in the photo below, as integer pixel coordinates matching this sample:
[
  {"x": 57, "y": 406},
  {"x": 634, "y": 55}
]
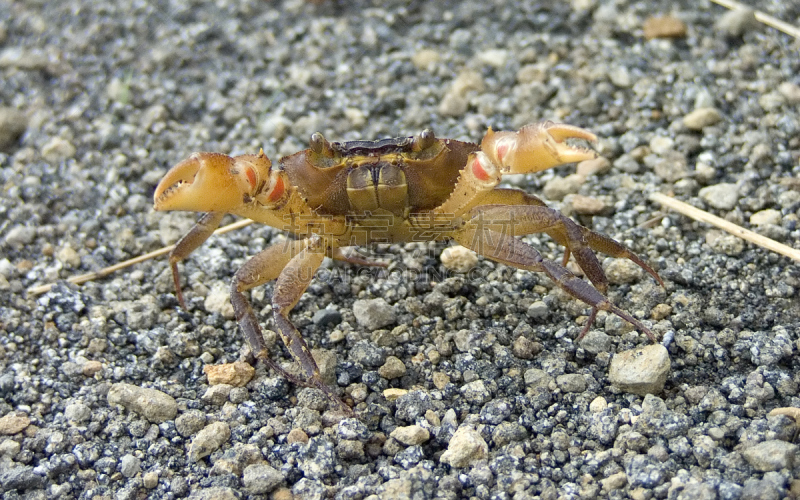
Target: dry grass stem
[
  {"x": 83, "y": 278},
  {"x": 745, "y": 234},
  {"x": 762, "y": 18}
]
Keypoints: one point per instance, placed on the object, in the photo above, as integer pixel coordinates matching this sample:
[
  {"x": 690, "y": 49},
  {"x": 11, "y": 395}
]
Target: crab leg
[
  {"x": 293, "y": 264},
  {"x": 576, "y": 239},
  {"x": 199, "y": 233},
  {"x": 506, "y": 249}
]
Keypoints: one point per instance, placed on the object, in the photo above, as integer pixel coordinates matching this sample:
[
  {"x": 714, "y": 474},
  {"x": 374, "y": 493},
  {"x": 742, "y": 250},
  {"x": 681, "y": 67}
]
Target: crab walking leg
[
  {"x": 263, "y": 267},
  {"x": 532, "y": 216},
  {"x": 196, "y": 236},
  {"x": 293, "y": 264},
  {"x": 521, "y": 220},
  {"x": 506, "y": 249},
  {"x": 291, "y": 285}
]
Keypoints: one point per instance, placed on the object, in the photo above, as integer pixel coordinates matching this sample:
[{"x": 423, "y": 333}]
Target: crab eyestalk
[
  {"x": 213, "y": 182},
  {"x": 536, "y": 147}
]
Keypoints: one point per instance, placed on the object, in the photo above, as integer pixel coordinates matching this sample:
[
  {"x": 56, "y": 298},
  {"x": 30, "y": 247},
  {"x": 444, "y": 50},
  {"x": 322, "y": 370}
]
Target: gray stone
[
  {"x": 209, "y": 440},
  {"x": 129, "y": 465},
  {"x": 723, "y": 196},
  {"x": 190, "y": 422},
  {"x": 571, "y": 382},
  {"x": 734, "y": 23},
  {"x": 78, "y": 413},
  {"x": 20, "y": 478},
  {"x": 152, "y": 404},
  {"x": 260, "y": 479},
  {"x": 13, "y": 124},
  {"x": 771, "y": 455},
  {"x": 373, "y": 314}
]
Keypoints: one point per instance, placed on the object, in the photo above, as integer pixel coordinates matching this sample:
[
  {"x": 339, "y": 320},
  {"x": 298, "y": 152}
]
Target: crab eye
[
  {"x": 425, "y": 139},
  {"x": 317, "y": 143}
]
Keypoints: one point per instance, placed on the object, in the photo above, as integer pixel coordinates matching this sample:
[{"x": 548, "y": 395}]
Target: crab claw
[
  {"x": 212, "y": 182},
  {"x": 536, "y": 147}
]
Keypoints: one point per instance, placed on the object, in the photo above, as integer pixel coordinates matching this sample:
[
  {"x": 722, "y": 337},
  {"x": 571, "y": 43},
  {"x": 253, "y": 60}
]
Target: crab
[{"x": 333, "y": 197}]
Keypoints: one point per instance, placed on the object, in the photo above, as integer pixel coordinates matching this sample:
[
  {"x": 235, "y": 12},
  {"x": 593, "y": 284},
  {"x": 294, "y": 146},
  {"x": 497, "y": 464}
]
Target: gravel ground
[{"x": 469, "y": 385}]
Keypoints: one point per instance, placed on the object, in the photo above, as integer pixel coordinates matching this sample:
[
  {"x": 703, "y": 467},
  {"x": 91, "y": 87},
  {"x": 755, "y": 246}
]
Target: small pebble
[
  {"x": 218, "y": 300},
  {"x": 597, "y": 166},
  {"x": 325, "y": 317},
  {"x": 13, "y": 124},
  {"x": 664, "y": 27},
  {"x": 598, "y": 404},
  {"x": 701, "y": 118},
  {"x": 771, "y": 455},
  {"x": 13, "y": 423},
  {"x": 614, "y": 482},
  {"x": 723, "y": 196},
  {"x": 769, "y": 216},
  {"x": 622, "y": 271},
  {"x": 129, "y": 465},
  {"x": 558, "y": 187},
  {"x": 19, "y": 236},
  {"x": 661, "y": 145},
  {"x": 495, "y": 58},
  {"x": 467, "y": 81},
  {"x": 68, "y": 256},
  {"x": 571, "y": 382},
  {"x": 537, "y": 310},
  {"x": 236, "y": 374},
  {"x": 620, "y": 76},
  {"x": 373, "y": 314},
  {"x": 596, "y": 341},
  {"x": 217, "y": 395},
  {"x": 78, "y": 413},
  {"x": 297, "y": 436},
  {"x": 58, "y": 149},
  {"x": 459, "y": 259},
  {"x": 734, "y": 23},
  {"x": 209, "y": 440},
  {"x": 393, "y": 368},
  {"x": 411, "y": 435},
  {"x": 152, "y": 404},
  {"x": 453, "y": 105},
  {"x": 150, "y": 480},
  {"x": 190, "y": 422},
  {"x": 392, "y": 394},
  {"x": 91, "y": 367},
  {"x": 260, "y": 479},
  {"x": 425, "y": 59},
  {"x": 640, "y": 371},
  {"x": 466, "y": 446},
  {"x": 24, "y": 59},
  {"x": 536, "y": 377},
  {"x": 791, "y": 92},
  {"x": 586, "y": 205}
]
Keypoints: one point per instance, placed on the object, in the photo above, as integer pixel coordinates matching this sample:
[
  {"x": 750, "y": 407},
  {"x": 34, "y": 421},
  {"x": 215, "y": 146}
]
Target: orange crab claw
[
  {"x": 212, "y": 182},
  {"x": 536, "y": 147}
]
